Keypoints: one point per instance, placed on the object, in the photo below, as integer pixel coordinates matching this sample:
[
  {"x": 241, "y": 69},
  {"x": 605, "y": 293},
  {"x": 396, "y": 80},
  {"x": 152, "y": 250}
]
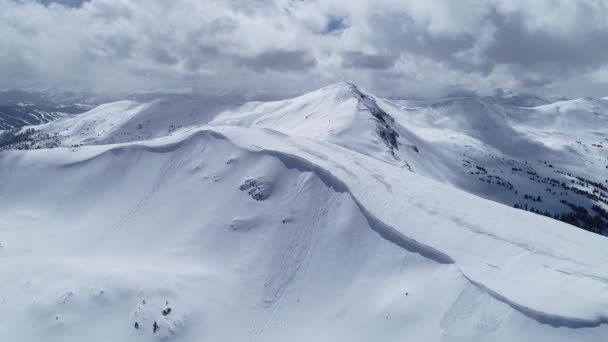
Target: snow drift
[{"x": 256, "y": 228}]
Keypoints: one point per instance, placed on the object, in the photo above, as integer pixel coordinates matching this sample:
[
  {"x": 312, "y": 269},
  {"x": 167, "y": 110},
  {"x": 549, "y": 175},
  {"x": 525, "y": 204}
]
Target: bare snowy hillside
[
  {"x": 333, "y": 216},
  {"x": 549, "y": 159}
]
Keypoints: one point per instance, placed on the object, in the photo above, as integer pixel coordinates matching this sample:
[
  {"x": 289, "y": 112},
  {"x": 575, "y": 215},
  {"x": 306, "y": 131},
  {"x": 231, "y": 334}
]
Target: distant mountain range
[{"x": 22, "y": 108}]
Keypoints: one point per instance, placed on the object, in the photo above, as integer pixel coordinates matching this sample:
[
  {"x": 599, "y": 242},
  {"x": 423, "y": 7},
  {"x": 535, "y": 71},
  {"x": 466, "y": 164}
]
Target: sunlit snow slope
[
  {"x": 550, "y": 159},
  {"x": 258, "y": 227}
]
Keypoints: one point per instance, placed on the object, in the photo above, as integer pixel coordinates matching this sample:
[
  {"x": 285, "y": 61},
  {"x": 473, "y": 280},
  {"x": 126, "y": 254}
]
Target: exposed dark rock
[
  {"x": 384, "y": 122},
  {"x": 259, "y": 189}
]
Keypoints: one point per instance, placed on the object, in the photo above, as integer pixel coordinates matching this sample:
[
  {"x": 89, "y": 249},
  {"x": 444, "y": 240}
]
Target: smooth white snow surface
[{"x": 261, "y": 227}]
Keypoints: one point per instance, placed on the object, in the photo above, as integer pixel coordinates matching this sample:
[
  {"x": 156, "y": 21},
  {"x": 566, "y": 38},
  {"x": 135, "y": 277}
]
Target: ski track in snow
[{"x": 122, "y": 221}]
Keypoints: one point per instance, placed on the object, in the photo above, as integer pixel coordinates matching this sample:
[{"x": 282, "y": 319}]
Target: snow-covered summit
[
  {"x": 333, "y": 216},
  {"x": 341, "y": 113}
]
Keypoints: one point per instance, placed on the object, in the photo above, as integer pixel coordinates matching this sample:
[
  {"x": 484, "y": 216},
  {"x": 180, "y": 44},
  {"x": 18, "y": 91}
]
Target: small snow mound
[
  {"x": 258, "y": 188},
  {"x": 162, "y": 320},
  {"x": 243, "y": 224}
]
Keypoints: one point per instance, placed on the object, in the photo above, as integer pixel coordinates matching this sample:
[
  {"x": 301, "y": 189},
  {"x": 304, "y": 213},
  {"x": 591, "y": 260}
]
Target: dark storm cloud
[
  {"x": 532, "y": 52},
  {"x": 67, "y": 3},
  {"x": 401, "y": 35},
  {"x": 399, "y": 32},
  {"x": 335, "y": 25},
  {"x": 359, "y": 60},
  {"x": 197, "y": 56},
  {"x": 407, "y": 46},
  {"x": 280, "y": 60},
  {"x": 162, "y": 55},
  {"x": 583, "y": 49}
]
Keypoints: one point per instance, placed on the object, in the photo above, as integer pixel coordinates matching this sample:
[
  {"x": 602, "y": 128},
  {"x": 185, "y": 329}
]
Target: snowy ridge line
[
  {"x": 555, "y": 321},
  {"x": 292, "y": 162},
  {"x": 392, "y": 235},
  {"x": 151, "y": 145},
  {"x": 389, "y": 233}
]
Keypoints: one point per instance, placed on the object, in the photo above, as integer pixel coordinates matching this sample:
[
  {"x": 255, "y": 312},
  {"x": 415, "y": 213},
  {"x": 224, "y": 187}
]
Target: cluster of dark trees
[
  {"x": 498, "y": 181},
  {"x": 482, "y": 169},
  {"x": 596, "y": 195},
  {"x": 587, "y": 182},
  {"x": 15, "y": 136},
  {"x": 600, "y": 211},
  {"x": 535, "y": 210},
  {"x": 27, "y": 139},
  {"x": 579, "y": 216},
  {"x": 533, "y": 198},
  {"x": 594, "y": 219}
]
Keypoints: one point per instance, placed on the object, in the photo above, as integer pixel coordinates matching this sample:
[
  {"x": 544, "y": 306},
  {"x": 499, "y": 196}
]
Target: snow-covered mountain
[
  {"x": 22, "y": 108},
  {"x": 548, "y": 159},
  {"x": 333, "y": 216}
]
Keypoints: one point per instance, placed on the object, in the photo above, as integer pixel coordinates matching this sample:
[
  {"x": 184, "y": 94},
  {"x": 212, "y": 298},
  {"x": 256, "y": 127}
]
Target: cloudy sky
[{"x": 392, "y": 47}]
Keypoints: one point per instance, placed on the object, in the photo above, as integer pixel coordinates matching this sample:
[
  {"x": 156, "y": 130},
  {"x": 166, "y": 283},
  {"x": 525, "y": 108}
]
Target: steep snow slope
[
  {"x": 250, "y": 234},
  {"x": 548, "y": 159},
  {"x": 339, "y": 114}
]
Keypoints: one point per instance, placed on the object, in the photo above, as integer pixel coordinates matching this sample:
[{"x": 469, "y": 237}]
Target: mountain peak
[
  {"x": 344, "y": 88},
  {"x": 341, "y": 85},
  {"x": 272, "y": 201}
]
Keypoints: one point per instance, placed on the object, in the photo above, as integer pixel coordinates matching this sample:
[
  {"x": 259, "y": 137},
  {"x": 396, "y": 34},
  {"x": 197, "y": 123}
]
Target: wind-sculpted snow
[
  {"x": 503, "y": 231},
  {"x": 387, "y": 232},
  {"x": 548, "y": 160},
  {"x": 496, "y": 248},
  {"x": 545, "y": 317},
  {"x": 273, "y": 231}
]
